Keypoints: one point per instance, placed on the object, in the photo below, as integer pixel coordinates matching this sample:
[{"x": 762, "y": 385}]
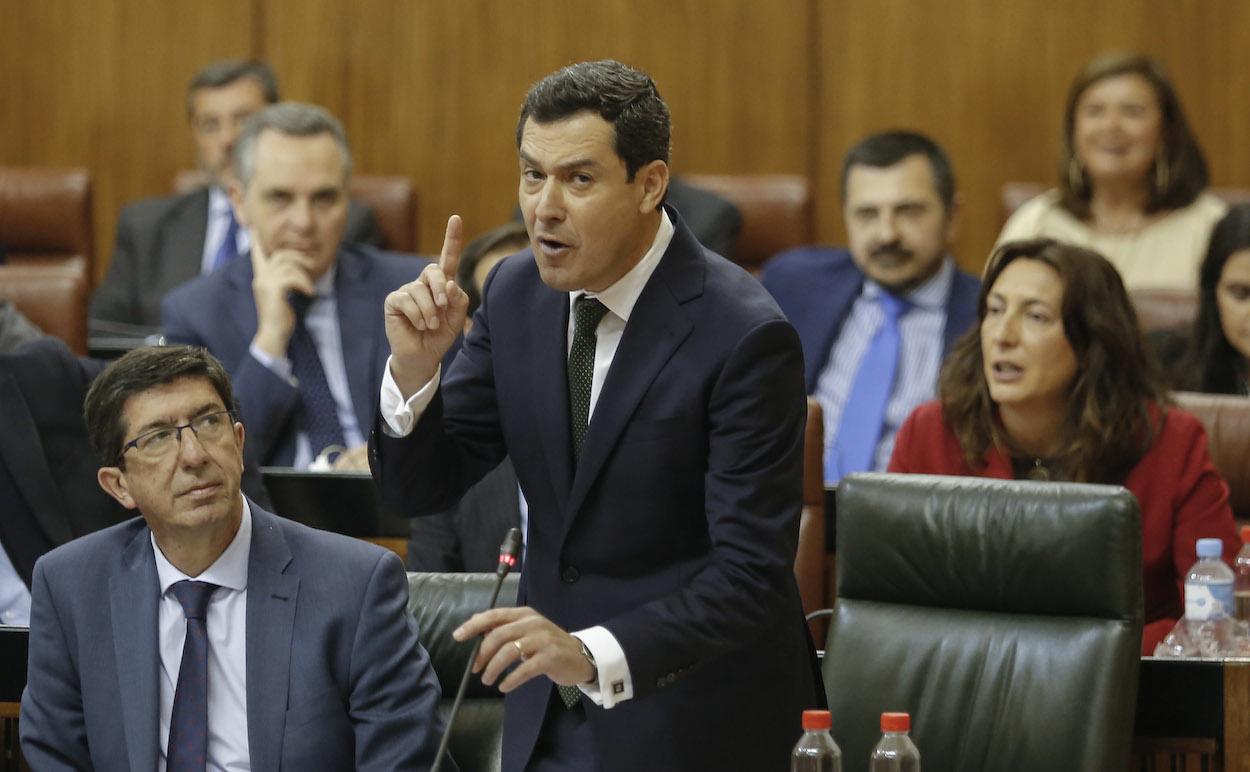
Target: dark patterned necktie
[
  {"x": 587, "y": 313},
  {"x": 319, "y": 415},
  {"x": 188, "y": 726}
]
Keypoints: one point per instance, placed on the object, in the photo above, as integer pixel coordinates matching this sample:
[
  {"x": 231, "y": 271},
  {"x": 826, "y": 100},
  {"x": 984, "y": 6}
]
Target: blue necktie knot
[{"x": 193, "y": 596}]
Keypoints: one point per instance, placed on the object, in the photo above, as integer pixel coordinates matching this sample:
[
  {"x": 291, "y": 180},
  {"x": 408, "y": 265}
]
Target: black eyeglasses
[{"x": 160, "y": 442}]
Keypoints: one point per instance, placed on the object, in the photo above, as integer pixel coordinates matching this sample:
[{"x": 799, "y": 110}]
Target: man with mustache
[
  {"x": 876, "y": 320},
  {"x": 209, "y": 633}
]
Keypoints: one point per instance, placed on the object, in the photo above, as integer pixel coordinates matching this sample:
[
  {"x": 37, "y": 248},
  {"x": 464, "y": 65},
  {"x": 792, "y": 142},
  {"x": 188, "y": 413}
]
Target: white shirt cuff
[
  {"x": 613, "y": 684},
  {"x": 279, "y": 366},
  {"x": 398, "y": 416}
]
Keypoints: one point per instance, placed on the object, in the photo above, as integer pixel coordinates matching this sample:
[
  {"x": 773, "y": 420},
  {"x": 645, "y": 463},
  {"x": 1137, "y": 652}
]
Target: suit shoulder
[
  {"x": 804, "y": 262},
  {"x": 389, "y": 267},
  {"x": 194, "y": 294},
  {"x": 96, "y": 549},
  {"x": 325, "y": 548},
  {"x": 148, "y": 210},
  {"x": 965, "y": 284}
]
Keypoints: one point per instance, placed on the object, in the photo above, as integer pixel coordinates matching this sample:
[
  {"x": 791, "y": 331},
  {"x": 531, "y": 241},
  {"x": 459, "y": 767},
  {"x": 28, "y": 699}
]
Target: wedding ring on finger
[{"x": 520, "y": 650}]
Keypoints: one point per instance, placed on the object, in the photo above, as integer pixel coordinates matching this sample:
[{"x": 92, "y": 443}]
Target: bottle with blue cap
[{"x": 1209, "y": 584}]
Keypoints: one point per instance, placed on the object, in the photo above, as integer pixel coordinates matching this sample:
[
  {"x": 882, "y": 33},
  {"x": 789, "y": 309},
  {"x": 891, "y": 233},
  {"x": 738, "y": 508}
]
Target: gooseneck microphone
[{"x": 508, "y": 552}]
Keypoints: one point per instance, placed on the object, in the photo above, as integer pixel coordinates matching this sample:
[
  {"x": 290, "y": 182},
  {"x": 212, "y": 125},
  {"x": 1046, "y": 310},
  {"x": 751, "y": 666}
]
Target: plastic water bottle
[
  {"x": 1209, "y": 584},
  {"x": 816, "y": 751},
  {"x": 1241, "y": 567},
  {"x": 896, "y": 752}
]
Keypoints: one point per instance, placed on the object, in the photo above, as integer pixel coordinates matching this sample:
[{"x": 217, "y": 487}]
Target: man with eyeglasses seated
[{"x": 209, "y": 633}]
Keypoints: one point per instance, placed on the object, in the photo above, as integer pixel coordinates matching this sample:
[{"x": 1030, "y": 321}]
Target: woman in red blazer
[{"x": 1056, "y": 384}]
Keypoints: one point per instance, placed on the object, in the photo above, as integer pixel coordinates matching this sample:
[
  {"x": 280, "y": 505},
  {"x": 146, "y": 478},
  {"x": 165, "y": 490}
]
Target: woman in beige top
[{"x": 1133, "y": 177}]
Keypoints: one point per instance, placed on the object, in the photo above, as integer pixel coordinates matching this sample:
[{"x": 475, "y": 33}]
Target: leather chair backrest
[
  {"x": 1164, "y": 309},
  {"x": 440, "y": 603},
  {"x": 52, "y": 296},
  {"x": 776, "y": 212},
  {"x": 1227, "y": 421},
  {"x": 45, "y": 217},
  {"x": 809, "y": 561},
  {"x": 1005, "y": 616},
  {"x": 392, "y": 198}
]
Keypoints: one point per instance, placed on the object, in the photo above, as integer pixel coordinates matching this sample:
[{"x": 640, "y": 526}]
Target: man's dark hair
[
  {"x": 220, "y": 74},
  {"x": 622, "y": 96},
  {"x": 511, "y": 236},
  {"x": 136, "y": 372},
  {"x": 888, "y": 148}
]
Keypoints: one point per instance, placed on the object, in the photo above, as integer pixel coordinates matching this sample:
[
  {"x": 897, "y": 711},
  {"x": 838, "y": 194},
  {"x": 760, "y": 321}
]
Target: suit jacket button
[{"x": 570, "y": 574}]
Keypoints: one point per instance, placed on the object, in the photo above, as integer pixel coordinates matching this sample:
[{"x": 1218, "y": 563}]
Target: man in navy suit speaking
[
  {"x": 650, "y": 395},
  {"x": 210, "y": 634}
]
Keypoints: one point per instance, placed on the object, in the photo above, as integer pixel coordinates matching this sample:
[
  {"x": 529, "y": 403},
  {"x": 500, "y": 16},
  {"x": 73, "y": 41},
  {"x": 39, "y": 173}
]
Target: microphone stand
[{"x": 508, "y": 551}]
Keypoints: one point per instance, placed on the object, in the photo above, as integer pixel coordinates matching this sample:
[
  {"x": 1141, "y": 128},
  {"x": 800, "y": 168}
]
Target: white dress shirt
[
  {"x": 14, "y": 595},
  {"x": 921, "y": 329},
  {"x": 620, "y": 298},
  {"x": 226, "y": 626},
  {"x": 219, "y": 212},
  {"x": 322, "y": 322}
]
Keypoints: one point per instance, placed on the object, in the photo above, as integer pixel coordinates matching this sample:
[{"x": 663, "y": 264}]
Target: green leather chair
[
  {"x": 440, "y": 603},
  {"x": 1004, "y": 616}
]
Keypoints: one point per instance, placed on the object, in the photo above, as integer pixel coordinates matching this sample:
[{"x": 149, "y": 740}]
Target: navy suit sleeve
[
  {"x": 394, "y": 693},
  {"x": 52, "y": 726}
]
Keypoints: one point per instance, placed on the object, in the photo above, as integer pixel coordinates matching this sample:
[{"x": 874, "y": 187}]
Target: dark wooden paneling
[
  {"x": 432, "y": 90},
  {"x": 102, "y": 85}
]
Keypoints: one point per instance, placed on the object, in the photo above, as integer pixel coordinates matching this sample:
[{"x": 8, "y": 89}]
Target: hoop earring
[
  {"x": 1162, "y": 175},
  {"x": 1076, "y": 176}
]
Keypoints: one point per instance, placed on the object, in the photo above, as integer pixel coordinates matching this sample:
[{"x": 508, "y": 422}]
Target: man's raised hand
[{"x": 423, "y": 317}]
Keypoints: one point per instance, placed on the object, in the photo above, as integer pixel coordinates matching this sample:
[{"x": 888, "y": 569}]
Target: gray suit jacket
[
  {"x": 160, "y": 244},
  {"x": 335, "y": 676}
]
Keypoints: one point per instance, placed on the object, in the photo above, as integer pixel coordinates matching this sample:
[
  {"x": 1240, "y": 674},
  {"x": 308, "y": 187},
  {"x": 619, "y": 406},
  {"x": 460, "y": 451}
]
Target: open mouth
[{"x": 1007, "y": 371}]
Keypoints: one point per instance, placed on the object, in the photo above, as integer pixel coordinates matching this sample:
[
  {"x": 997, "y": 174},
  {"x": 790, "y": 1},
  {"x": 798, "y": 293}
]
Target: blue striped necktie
[
  {"x": 319, "y": 414},
  {"x": 228, "y": 249},
  {"x": 859, "y": 429}
]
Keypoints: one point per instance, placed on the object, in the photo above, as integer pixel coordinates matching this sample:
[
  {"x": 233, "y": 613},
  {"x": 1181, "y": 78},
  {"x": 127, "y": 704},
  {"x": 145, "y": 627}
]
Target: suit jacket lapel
[
  {"x": 22, "y": 452},
  {"x": 271, "y": 602},
  {"x": 185, "y": 248},
  {"x": 134, "y": 595},
  {"x": 358, "y": 316},
  {"x": 549, "y": 332},
  {"x": 657, "y": 326}
]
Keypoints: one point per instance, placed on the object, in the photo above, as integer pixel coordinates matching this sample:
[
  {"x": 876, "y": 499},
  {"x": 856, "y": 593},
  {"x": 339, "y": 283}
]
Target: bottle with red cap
[
  {"x": 896, "y": 752},
  {"x": 1241, "y": 579},
  {"x": 816, "y": 751}
]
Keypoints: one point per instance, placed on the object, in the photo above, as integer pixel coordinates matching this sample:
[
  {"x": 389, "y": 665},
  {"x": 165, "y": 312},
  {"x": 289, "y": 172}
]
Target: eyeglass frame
[{"x": 177, "y": 429}]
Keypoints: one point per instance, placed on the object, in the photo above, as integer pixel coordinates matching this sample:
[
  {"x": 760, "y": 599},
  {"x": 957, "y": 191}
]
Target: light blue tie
[
  {"x": 229, "y": 248},
  {"x": 859, "y": 429}
]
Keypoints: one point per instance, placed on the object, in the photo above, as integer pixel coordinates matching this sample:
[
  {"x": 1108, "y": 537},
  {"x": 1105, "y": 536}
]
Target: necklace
[{"x": 1039, "y": 471}]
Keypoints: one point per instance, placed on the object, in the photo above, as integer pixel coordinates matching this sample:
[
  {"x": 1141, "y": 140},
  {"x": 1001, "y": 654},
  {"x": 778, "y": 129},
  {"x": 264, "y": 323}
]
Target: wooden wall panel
[
  {"x": 432, "y": 90},
  {"x": 987, "y": 79},
  {"x": 102, "y": 85}
]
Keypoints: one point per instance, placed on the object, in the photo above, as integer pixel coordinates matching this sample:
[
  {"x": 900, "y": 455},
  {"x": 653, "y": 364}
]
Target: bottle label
[{"x": 1208, "y": 601}]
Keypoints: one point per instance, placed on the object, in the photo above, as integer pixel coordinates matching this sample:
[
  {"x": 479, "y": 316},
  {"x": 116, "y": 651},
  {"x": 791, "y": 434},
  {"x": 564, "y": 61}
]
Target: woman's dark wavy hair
[
  {"x": 1185, "y": 175},
  {"x": 1211, "y": 364},
  {"x": 1108, "y": 427}
]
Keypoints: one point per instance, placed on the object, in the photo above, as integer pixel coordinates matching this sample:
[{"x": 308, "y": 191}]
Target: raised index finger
[{"x": 449, "y": 260}]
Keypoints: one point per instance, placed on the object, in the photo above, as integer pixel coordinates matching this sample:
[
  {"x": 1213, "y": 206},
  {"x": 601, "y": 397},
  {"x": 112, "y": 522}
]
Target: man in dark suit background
[
  {"x": 48, "y": 492},
  {"x": 298, "y": 320},
  {"x": 163, "y": 242},
  {"x": 649, "y": 394},
  {"x": 899, "y": 204},
  {"x": 209, "y": 633}
]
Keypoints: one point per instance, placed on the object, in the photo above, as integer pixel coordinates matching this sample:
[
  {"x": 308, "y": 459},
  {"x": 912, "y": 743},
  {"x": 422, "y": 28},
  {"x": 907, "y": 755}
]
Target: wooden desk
[{"x": 1193, "y": 715}]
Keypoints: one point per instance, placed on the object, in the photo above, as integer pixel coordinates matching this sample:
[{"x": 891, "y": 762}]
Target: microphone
[{"x": 508, "y": 552}]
